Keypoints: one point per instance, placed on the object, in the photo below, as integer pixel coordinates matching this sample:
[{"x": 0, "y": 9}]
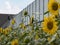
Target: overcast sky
[{"x": 13, "y": 6}]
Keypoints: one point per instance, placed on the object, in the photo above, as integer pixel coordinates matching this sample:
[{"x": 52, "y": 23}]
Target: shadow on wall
[{"x": 5, "y": 19}]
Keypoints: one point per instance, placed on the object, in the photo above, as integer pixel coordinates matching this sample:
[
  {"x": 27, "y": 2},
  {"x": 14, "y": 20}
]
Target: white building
[{"x": 36, "y": 8}]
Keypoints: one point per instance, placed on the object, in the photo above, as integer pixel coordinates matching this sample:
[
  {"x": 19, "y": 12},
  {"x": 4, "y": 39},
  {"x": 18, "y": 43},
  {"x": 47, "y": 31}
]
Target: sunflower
[
  {"x": 14, "y": 42},
  {"x": 31, "y": 20},
  {"x": 25, "y": 13},
  {"x": 13, "y": 21},
  {"x": 36, "y": 37},
  {"x": 1, "y": 30},
  {"x": 9, "y": 27},
  {"x": 22, "y": 25},
  {"x": 48, "y": 38},
  {"x": 53, "y": 7},
  {"x": 49, "y": 25}
]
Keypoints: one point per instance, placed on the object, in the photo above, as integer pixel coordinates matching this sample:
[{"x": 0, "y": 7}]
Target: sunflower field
[{"x": 46, "y": 33}]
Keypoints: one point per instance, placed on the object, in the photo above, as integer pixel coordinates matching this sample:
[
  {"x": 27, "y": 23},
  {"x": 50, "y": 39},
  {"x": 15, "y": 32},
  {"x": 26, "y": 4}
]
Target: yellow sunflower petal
[
  {"x": 14, "y": 42},
  {"x": 50, "y": 26},
  {"x": 53, "y": 7}
]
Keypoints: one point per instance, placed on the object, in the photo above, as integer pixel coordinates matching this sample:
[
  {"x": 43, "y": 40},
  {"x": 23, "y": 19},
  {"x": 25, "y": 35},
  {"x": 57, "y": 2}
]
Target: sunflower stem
[{"x": 46, "y": 12}]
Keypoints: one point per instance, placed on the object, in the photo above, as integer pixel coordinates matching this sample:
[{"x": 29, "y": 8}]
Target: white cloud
[
  {"x": 8, "y": 6},
  {"x": 10, "y": 9}
]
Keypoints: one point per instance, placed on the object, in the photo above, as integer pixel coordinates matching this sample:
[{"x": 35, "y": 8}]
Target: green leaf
[
  {"x": 53, "y": 38},
  {"x": 46, "y": 12}
]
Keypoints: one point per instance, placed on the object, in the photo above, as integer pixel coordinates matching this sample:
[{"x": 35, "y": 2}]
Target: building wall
[
  {"x": 36, "y": 8},
  {"x": 5, "y": 20}
]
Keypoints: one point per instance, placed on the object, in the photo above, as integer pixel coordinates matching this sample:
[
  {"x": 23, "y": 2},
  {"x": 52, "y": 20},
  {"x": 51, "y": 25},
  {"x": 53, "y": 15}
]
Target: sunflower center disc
[
  {"x": 50, "y": 25},
  {"x": 25, "y": 13},
  {"x": 15, "y": 44},
  {"x": 54, "y": 6}
]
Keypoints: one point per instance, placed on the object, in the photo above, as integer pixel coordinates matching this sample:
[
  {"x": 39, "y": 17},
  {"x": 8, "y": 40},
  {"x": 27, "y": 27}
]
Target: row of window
[{"x": 36, "y": 8}]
